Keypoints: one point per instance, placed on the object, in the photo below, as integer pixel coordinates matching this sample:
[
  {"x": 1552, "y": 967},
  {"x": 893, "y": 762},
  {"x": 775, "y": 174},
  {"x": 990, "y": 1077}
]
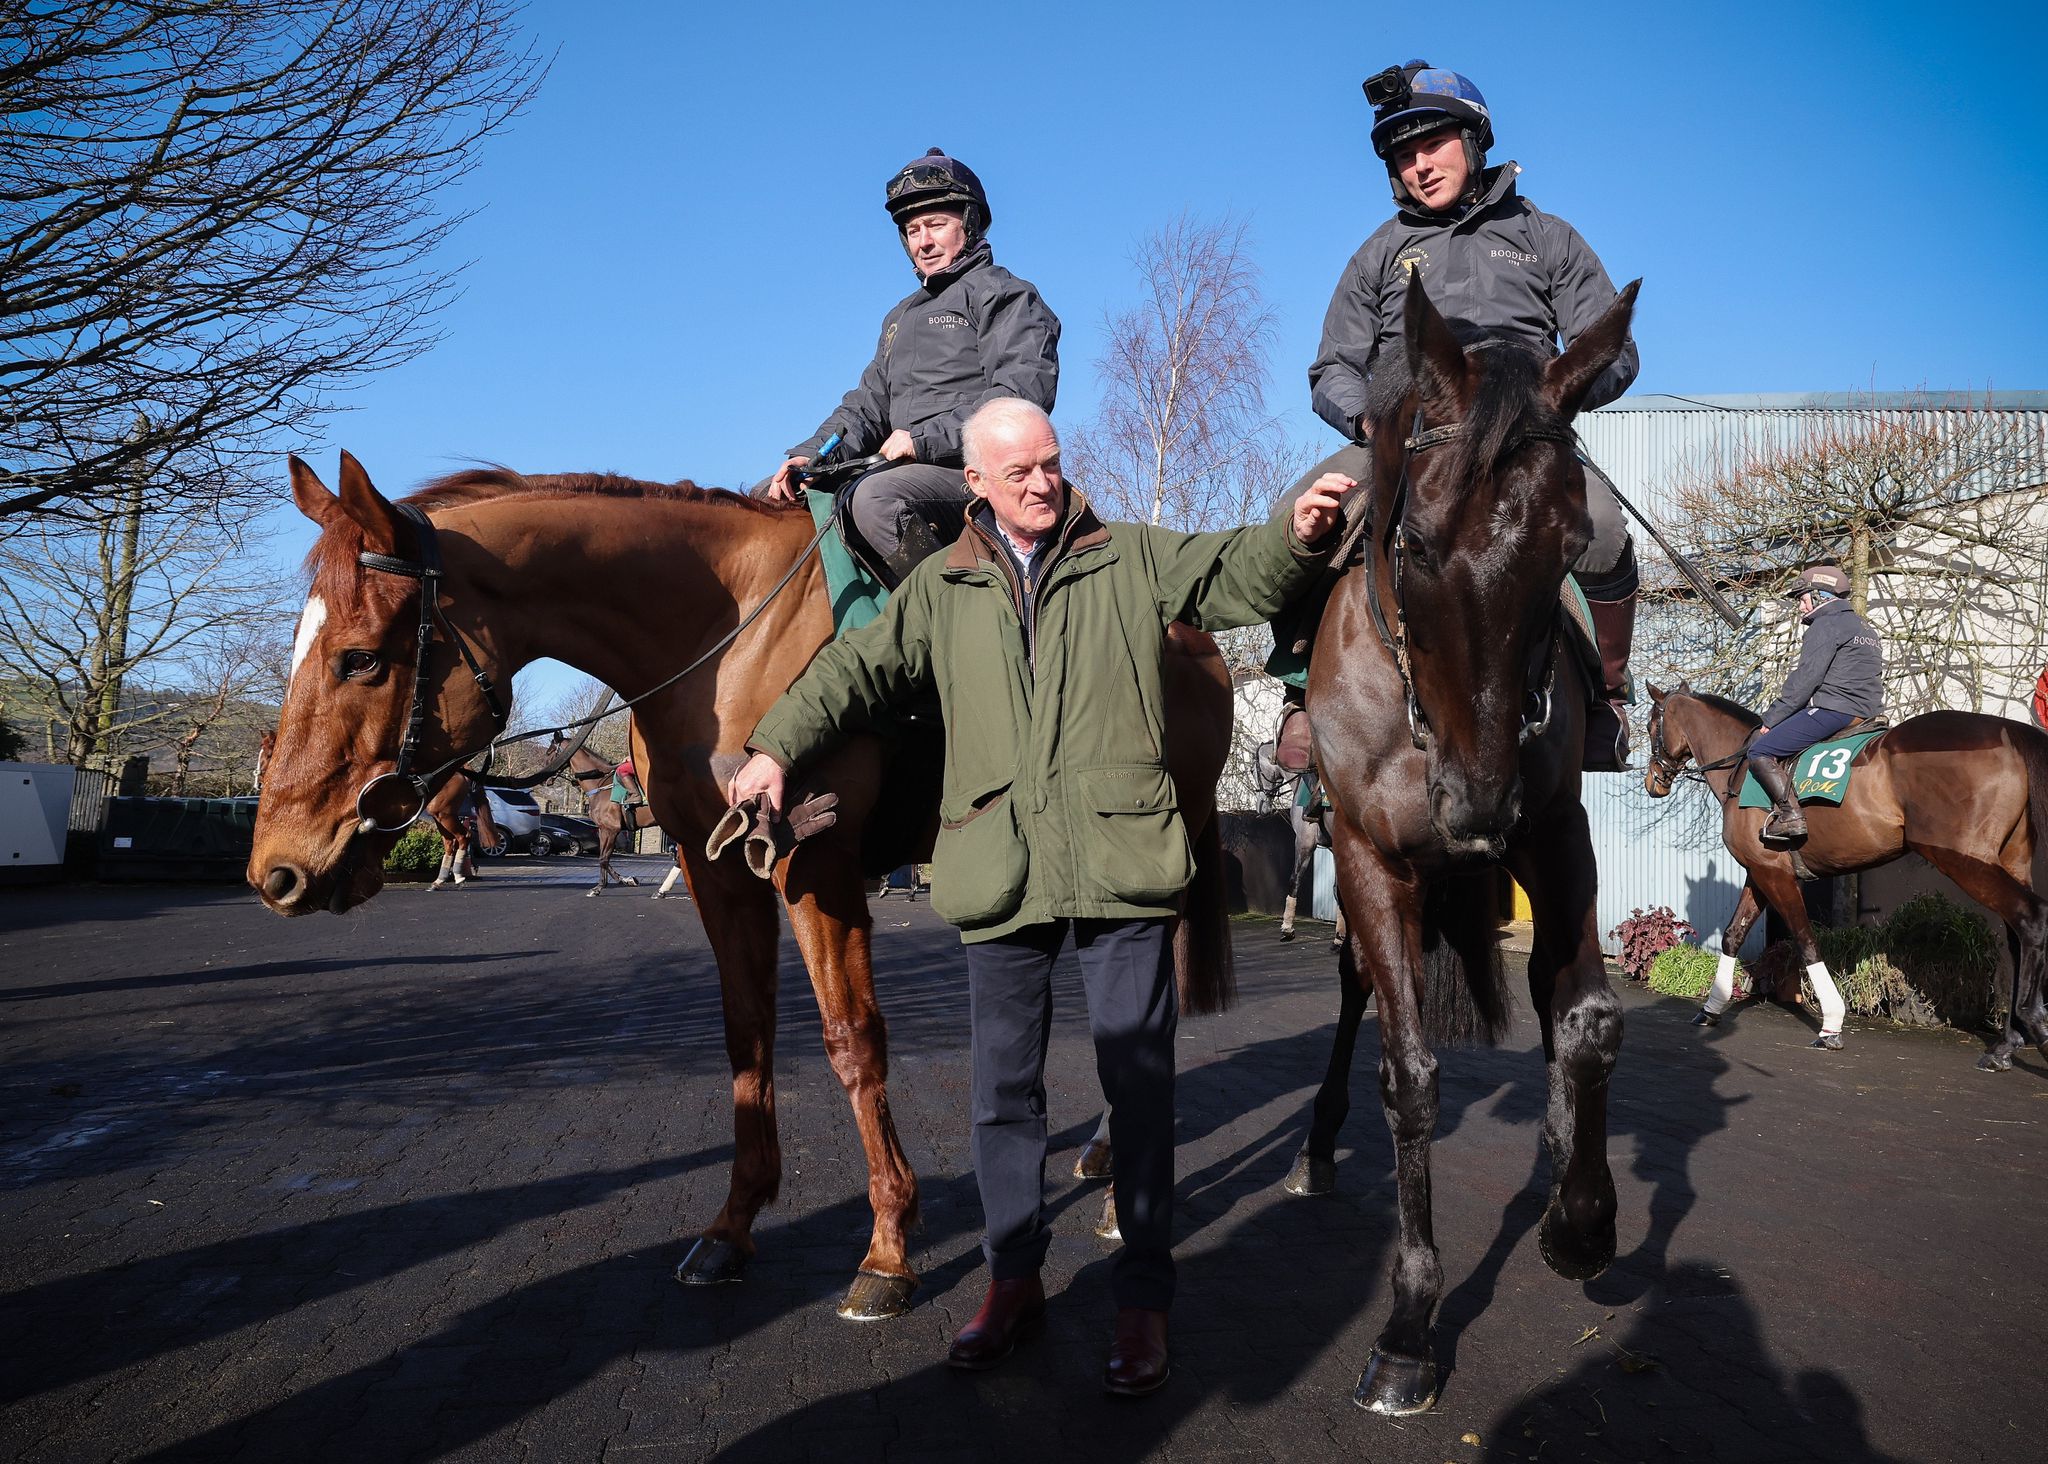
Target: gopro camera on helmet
[{"x": 1389, "y": 88}]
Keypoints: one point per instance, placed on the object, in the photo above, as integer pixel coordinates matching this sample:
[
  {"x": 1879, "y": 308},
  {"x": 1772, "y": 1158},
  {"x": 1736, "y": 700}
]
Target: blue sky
[{"x": 681, "y": 260}]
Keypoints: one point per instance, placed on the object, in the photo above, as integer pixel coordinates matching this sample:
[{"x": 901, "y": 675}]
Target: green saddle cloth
[
  {"x": 1819, "y": 775},
  {"x": 1301, "y": 622},
  {"x": 857, "y": 596}
]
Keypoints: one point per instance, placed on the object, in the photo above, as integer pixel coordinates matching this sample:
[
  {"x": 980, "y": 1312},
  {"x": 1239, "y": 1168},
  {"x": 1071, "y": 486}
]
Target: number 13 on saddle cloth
[{"x": 1820, "y": 774}]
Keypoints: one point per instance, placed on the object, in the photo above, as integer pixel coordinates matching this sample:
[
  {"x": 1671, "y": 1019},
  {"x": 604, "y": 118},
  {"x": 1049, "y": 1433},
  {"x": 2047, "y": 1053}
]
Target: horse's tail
[
  {"x": 2033, "y": 748},
  {"x": 1464, "y": 980},
  {"x": 1203, "y": 964}
]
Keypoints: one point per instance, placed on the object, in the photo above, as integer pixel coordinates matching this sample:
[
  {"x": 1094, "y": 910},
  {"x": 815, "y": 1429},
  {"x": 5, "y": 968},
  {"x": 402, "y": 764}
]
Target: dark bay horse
[
  {"x": 592, "y": 777},
  {"x": 685, "y": 568},
  {"x": 1967, "y": 792},
  {"x": 1448, "y": 716}
]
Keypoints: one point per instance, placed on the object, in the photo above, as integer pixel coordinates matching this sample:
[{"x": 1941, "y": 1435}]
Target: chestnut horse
[
  {"x": 690, "y": 573},
  {"x": 592, "y": 777},
  {"x": 453, "y": 810},
  {"x": 1967, "y": 792},
  {"x": 1448, "y": 718}
]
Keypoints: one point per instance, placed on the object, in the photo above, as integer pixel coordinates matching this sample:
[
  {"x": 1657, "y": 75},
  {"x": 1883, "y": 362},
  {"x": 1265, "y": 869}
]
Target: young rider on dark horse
[
  {"x": 970, "y": 332},
  {"x": 1495, "y": 263},
  {"x": 1839, "y": 679}
]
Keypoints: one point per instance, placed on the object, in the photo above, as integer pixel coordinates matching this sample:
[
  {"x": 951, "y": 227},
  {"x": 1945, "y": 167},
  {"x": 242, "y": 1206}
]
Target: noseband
[
  {"x": 427, "y": 570},
  {"x": 1392, "y": 543}
]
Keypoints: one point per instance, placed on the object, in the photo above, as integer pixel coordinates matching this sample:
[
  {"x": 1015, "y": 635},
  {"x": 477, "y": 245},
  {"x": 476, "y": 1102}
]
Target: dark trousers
[
  {"x": 1127, "y": 972},
  {"x": 882, "y": 498},
  {"x": 1800, "y": 731}
]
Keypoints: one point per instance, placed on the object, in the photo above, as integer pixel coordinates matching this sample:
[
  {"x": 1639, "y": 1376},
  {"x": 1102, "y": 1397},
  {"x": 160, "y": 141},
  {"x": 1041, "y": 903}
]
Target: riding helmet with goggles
[
  {"x": 937, "y": 181},
  {"x": 1413, "y": 100}
]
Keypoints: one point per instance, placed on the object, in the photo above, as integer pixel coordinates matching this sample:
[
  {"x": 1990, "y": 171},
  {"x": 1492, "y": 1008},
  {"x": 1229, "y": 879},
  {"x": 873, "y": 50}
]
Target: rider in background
[
  {"x": 1839, "y": 680},
  {"x": 970, "y": 332},
  {"x": 1493, "y": 262}
]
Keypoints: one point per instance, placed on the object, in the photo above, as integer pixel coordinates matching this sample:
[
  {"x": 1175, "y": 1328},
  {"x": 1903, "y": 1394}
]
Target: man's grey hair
[{"x": 994, "y": 418}]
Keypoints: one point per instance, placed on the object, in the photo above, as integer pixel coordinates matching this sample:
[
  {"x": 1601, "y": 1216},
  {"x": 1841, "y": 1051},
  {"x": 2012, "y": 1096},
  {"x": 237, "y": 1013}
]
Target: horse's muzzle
[{"x": 1473, "y": 829}]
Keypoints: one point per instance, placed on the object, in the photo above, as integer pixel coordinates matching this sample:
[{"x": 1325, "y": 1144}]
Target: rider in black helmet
[
  {"x": 970, "y": 332},
  {"x": 1492, "y": 262}
]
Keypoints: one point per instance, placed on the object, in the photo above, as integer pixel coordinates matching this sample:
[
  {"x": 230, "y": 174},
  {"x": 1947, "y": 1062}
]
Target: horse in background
[
  {"x": 1305, "y": 820},
  {"x": 594, "y": 778},
  {"x": 461, "y": 814},
  {"x": 727, "y": 589},
  {"x": 1448, "y": 716},
  {"x": 1965, "y": 791}
]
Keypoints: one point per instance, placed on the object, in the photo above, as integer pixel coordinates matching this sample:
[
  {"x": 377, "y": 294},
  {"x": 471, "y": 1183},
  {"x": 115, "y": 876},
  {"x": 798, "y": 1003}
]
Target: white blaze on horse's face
[{"x": 310, "y": 620}]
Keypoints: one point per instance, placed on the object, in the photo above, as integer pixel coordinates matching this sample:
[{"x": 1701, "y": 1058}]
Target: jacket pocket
[
  {"x": 1136, "y": 847},
  {"x": 981, "y": 861}
]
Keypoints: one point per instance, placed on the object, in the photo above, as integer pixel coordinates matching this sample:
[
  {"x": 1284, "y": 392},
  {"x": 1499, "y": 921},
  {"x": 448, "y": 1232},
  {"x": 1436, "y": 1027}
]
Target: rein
[
  {"x": 428, "y": 571},
  {"x": 1391, "y": 544}
]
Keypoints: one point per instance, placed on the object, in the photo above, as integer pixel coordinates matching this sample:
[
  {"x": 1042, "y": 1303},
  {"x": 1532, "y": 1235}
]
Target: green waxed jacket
[{"x": 1056, "y": 800}]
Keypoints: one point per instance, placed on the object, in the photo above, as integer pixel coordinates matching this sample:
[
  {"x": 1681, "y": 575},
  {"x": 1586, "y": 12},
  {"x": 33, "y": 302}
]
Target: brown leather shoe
[
  {"x": 1137, "y": 1353},
  {"x": 1011, "y": 1311}
]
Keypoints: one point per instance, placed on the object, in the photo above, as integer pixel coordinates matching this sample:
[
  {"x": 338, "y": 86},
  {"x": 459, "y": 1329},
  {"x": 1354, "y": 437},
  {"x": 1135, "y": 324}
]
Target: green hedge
[
  {"x": 417, "y": 849},
  {"x": 1933, "y": 962}
]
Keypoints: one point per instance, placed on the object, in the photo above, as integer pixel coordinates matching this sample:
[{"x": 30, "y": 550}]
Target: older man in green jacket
[{"x": 1043, "y": 633}]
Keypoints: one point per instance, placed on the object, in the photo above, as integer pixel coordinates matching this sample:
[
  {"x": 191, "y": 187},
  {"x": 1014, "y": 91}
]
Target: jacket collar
[
  {"x": 1500, "y": 186},
  {"x": 1826, "y": 606},
  {"x": 1079, "y": 531},
  {"x": 973, "y": 256}
]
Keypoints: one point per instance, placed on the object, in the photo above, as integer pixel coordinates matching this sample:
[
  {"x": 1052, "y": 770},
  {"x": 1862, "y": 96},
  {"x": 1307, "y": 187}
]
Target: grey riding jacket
[
  {"x": 1501, "y": 265},
  {"x": 1841, "y": 667},
  {"x": 970, "y": 333}
]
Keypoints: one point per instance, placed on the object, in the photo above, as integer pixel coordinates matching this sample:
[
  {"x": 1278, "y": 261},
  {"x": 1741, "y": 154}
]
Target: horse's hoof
[
  {"x": 633, "y": 880},
  {"x": 593, "y": 894},
  {"x": 711, "y": 1262},
  {"x": 874, "y": 1297},
  {"x": 1994, "y": 1062},
  {"x": 1106, "y": 1227},
  {"x": 1286, "y": 934},
  {"x": 1396, "y": 1385},
  {"x": 1705, "y": 1018},
  {"x": 1573, "y": 1256},
  {"x": 1096, "y": 1161},
  {"x": 1311, "y": 1176},
  {"x": 1829, "y": 1040}
]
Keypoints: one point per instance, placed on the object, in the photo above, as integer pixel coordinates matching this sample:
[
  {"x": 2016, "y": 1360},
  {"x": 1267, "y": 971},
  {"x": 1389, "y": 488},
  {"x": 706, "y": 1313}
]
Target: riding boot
[
  {"x": 916, "y": 541},
  {"x": 1293, "y": 744},
  {"x": 1786, "y": 827},
  {"x": 1612, "y": 602}
]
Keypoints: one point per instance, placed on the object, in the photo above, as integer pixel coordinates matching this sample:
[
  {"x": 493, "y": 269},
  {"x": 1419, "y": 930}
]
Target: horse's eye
[
  {"x": 1417, "y": 547},
  {"x": 358, "y": 663}
]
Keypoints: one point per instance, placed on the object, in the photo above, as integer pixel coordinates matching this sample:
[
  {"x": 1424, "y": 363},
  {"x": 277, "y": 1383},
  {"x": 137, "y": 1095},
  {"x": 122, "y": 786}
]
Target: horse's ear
[
  {"x": 1567, "y": 379},
  {"x": 1656, "y": 692},
  {"x": 1436, "y": 362},
  {"x": 369, "y": 508},
  {"x": 311, "y": 495}
]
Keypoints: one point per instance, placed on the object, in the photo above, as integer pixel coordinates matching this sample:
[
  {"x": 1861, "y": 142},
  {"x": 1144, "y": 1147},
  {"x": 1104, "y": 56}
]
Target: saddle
[{"x": 1821, "y": 772}]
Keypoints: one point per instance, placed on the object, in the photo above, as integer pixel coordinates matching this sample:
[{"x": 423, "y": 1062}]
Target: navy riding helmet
[
  {"x": 1409, "y": 101},
  {"x": 938, "y": 181}
]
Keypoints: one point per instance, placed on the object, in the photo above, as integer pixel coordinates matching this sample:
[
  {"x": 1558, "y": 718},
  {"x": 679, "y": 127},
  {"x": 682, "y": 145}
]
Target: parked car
[
  {"x": 564, "y": 833},
  {"x": 518, "y": 818}
]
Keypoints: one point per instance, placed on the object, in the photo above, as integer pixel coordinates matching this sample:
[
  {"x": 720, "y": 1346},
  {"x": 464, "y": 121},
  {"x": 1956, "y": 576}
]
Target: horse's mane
[
  {"x": 1727, "y": 707},
  {"x": 334, "y": 553},
  {"x": 1507, "y": 397}
]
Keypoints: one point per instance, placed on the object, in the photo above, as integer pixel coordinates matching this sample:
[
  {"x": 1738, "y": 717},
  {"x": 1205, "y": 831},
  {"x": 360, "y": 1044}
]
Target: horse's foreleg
[
  {"x": 1580, "y": 1016},
  {"x": 739, "y": 920},
  {"x": 828, "y": 910},
  {"x": 1779, "y": 888},
  {"x": 1747, "y": 908},
  {"x": 1315, "y": 1167},
  {"x": 447, "y": 865},
  {"x": 669, "y": 883},
  {"x": 1401, "y": 1376},
  {"x": 1096, "y": 1160}
]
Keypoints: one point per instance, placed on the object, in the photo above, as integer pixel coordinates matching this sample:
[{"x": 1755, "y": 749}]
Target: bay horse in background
[
  {"x": 1306, "y": 825},
  {"x": 462, "y": 816},
  {"x": 1965, "y": 791},
  {"x": 500, "y": 567},
  {"x": 1448, "y": 716},
  {"x": 593, "y": 777}
]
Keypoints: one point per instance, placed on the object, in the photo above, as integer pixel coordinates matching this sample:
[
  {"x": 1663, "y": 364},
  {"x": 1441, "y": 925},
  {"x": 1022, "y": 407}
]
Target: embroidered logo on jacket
[
  {"x": 1519, "y": 256},
  {"x": 947, "y": 320},
  {"x": 1412, "y": 258}
]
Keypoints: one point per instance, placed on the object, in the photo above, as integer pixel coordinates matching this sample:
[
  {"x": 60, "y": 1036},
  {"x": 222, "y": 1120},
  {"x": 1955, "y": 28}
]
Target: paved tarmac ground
[{"x": 411, "y": 1183}]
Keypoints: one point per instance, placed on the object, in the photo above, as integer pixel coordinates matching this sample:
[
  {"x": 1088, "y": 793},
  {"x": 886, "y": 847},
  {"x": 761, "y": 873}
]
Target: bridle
[
  {"x": 428, "y": 571},
  {"x": 1671, "y": 769},
  {"x": 1392, "y": 542}
]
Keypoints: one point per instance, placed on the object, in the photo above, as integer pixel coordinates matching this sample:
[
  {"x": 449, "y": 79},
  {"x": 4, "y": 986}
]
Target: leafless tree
[
  {"x": 108, "y": 620},
  {"x": 1937, "y": 514},
  {"x": 215, "y": 215},
  {"x": 231, "y": 684}
]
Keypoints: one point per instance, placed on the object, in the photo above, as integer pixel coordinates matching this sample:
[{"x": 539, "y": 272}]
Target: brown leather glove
[{"x": 763, "y": 841}]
